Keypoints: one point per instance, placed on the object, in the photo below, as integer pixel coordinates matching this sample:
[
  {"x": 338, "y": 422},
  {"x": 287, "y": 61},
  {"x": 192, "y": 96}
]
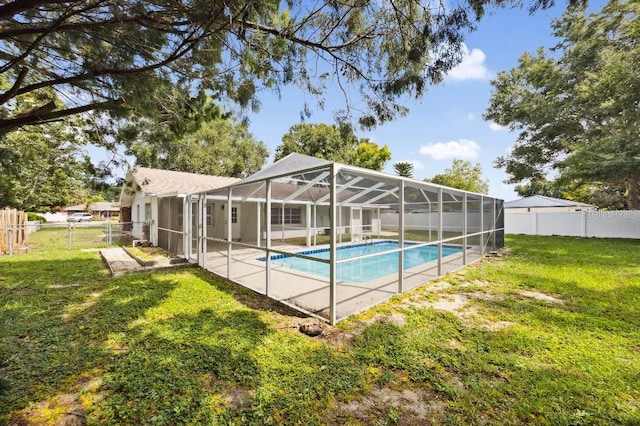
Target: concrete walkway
[{"x": 121, "y": 263}]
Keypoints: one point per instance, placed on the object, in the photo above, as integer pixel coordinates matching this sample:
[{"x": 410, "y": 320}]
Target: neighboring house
[
  {"x": 100, "y": 210},
  {"x": 542, "y": 204},
  {"x": 153, "y": 201}
]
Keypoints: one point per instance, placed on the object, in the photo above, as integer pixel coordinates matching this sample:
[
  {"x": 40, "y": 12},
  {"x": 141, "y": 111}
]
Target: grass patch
[
  {"x": 150, "y": 253},
  {"x": 185, "y": 347}
]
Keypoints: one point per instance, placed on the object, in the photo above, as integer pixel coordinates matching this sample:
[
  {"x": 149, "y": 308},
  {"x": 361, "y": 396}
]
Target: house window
[
  {"x": 210, "y": 209},
  {"x": 147, "y": 212},
  {"x": 291, "y": 216},
  {"x": 234, "y": 215}
]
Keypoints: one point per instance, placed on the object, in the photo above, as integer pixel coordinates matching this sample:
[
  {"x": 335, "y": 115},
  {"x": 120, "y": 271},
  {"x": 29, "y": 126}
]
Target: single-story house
[
  {"x": 256, "y": 231},
  {"x": 100, "y": 210},
  {"x": 542, "y": 204},
  {"x": 152, "y": 201}
]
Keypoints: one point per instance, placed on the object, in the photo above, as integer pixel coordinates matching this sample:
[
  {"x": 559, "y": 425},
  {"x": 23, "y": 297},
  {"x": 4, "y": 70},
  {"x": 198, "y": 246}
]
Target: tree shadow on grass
[
  {"x": 56, "y": 316},
  {"x": 79, "y": 343},
  {"x": 247, "y": 296}
]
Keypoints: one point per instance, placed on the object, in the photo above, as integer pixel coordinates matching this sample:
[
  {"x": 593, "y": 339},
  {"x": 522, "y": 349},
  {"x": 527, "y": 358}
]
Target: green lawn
[{"x": 186, "y": 347}]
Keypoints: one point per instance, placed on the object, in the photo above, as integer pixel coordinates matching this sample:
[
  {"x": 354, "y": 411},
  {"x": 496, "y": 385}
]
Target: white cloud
[
  {"x": 472, "y": 66},
  {"x": 470, "y": 116},
  {"x": 495, "y": 127},
  {"x": 417, "y": 164},
  {"x": 463, "y": 148}
]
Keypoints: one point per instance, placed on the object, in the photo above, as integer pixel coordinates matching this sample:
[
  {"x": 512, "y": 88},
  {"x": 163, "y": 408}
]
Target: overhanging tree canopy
[
  {"x": 119, "y": 54},
  {"x": 577, "y": 109}
]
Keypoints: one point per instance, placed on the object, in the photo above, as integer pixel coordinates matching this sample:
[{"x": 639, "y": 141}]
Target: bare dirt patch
[
  {"x": 458, "y": 304},
  {"x": 63, "y": 285},
  {"x": 541, "y": 296},
  {"x": 416, "y": 406},
  {"x": 487, "y": 296},
  {"x": 65, "y": 409},
  {"x": 227, "y": 395}
]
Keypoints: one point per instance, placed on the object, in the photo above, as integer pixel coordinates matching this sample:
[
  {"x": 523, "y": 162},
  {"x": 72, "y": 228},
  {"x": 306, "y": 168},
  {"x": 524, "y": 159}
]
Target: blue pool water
[{"x": 363, "y": 270}]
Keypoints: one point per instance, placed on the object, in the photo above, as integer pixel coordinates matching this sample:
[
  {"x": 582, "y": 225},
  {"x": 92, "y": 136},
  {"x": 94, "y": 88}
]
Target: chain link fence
[{"x": 68, "y": 235}]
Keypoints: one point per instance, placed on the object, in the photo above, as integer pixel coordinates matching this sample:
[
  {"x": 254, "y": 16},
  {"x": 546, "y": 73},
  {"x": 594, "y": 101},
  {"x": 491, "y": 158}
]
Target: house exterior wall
[
  {"x": 546, "y": 209},
  {"x": 137, "y": 214},
  {"x": 218, "y": 226}
]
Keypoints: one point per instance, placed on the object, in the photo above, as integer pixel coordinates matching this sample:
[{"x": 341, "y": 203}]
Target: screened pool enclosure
[{"x": 330, "y": 239}]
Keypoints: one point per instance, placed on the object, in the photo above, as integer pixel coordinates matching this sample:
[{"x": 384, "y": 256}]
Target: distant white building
[{"x": 542, "y": 204}]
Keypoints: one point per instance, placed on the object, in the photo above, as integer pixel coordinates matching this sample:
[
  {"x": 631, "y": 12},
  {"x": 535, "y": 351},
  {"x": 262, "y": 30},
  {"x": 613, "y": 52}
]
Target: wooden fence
[{"x": 13, "y": 230}]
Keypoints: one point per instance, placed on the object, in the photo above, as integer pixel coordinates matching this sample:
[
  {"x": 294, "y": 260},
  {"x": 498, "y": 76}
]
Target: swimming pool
[{"x": 362, "y": 270}]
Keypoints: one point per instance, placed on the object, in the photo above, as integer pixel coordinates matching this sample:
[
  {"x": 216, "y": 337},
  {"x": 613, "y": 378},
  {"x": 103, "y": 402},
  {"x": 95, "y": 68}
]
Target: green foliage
[
  {"x": 41, "y": 167},
  {"x": 462, "y": 175},
  {"x": 370, "y": 156},
  {"x": 35, "y": 216},
  {"x": 404, "y": 169},
  {"x": 335, "y": 143},
  {"x": 539, "y": 187},
  {"x": 124, "y": 57},
  {"x": 576, "y": 108},
  {"x": 220, "y": 146}
]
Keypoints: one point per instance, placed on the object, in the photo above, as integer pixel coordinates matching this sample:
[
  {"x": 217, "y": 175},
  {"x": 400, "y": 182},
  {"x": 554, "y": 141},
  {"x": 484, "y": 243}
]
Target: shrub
[{"x": 35, "y": 216}]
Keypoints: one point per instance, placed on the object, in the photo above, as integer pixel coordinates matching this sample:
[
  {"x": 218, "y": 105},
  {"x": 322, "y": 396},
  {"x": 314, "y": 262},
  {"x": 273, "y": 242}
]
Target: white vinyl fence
[{"x": 605, "y": 224}]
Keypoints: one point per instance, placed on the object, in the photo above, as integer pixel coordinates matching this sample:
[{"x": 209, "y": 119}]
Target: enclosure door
[
  {"x": 366, "y": 221},
  {"x": 193, "y": 235},
  {"x": 356, "y": 221},
  {"x": 235, "y": 223}
]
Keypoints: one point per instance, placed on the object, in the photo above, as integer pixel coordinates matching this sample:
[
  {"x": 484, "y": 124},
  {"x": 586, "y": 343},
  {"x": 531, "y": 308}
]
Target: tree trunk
[{"x": 633, "y": 188}]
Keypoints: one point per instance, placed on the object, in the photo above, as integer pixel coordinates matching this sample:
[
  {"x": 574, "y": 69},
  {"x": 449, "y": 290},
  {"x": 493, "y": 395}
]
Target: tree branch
[
  {"x": 11, "y": 9},
  {"x": 44, "y": 113},
  {"x": 303, "y": 41},
  {"x": 144, "y": 20},
  {"x": 177, "y": 53},
  {"x": 16, "y": 85}
]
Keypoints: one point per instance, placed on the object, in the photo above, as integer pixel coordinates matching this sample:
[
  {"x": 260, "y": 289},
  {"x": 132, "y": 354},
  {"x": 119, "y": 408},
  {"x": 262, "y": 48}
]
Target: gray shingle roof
[
  {"x": 542, "y": 201},
  {"x": 155, "y": 181}
]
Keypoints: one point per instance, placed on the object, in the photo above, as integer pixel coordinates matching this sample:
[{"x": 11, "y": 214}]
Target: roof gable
[
  {"x": 291, "y": 163},
  {"x": 164, "y": 182}
]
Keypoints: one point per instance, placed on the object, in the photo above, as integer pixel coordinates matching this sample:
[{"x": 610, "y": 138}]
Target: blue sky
[{"x": 447, "y": 123}]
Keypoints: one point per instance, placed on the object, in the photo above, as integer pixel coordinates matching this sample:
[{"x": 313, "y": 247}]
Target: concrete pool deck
[{"x": 310, "y": 293}]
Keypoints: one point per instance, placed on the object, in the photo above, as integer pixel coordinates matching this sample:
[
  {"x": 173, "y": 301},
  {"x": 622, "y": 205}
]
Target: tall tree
[
  {"x": 41, "y": 168},
  {"x": 45, "y": 166},
  {"x": 222, "y": 147},
  {"x": 404, "y": 169},
  {"x": 577, "y": 108},
  {"x": 463, "y": 175},
  {"x": 370, "y": 155},
  {"x": 333, "y": 142},
  {"x": 129, "y": 55}
]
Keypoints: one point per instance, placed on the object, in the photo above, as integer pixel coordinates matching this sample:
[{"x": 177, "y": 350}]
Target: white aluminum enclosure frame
[{"x": 316, "y": 184}]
